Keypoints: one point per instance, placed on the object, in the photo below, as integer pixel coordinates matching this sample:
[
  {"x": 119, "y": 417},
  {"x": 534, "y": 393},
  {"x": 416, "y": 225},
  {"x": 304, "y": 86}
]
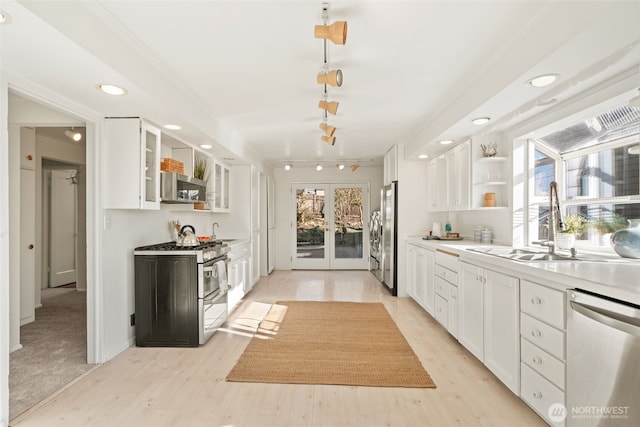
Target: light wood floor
[{"x": 187, "y": 387}]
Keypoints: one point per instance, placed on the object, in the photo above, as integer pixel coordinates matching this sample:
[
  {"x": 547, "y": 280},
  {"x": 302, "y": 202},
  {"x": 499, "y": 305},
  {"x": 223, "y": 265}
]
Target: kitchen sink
[{"x": 524, "y": 255}]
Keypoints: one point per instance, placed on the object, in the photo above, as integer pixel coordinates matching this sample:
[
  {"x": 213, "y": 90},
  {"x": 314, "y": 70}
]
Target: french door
[{"x": 331, "y": 226}]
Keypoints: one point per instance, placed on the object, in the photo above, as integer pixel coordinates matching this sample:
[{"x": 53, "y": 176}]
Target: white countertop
[{"x": 617, "y": 278}]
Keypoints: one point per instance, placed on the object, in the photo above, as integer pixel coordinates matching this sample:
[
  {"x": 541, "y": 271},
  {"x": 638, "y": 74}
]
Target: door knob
[{"x": 31, "y": 246}]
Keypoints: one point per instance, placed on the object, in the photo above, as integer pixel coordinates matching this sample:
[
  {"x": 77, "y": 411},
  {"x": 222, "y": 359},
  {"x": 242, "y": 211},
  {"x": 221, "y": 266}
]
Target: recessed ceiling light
[
  {"x": 340, "y": 166},
  {"x": 3, "y": 17},
  {"x": 205, "y": 146},
  {"x": 111, "y": 89},
  {"x": 423, "y": 156},
  {"x": 173, "y": 127},
  {"x": 318, "y": 167},
  {"x": 480, "y": 120},
  {"x": 287, "y": 166},
  {"x": 446, "y": 141},
  {"x": 543, "y": 80}
]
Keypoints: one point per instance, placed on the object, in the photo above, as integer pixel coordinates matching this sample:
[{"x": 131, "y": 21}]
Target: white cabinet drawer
[
  {"x": 447, "y": 260},
  {"x": 543, "y": 303},
  {"x": 442, "y": 288},
  {"x": 544, "y": 363},
  {"x": 544, "y": 336},
  {"x": 446, "y": 274},
  {"x": 441, "y": 310},
  {"x": 539, "y": 393}
]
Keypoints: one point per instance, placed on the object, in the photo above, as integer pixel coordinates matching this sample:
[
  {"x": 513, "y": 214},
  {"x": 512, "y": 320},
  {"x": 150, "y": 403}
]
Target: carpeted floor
[
  {"x": 346, "y": 343},
  {"x": 54, "y": 349}
]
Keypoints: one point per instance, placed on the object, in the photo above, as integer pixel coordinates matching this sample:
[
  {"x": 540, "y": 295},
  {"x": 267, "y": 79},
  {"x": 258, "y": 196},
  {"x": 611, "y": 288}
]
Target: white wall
[{"x": 372, "y": 175}]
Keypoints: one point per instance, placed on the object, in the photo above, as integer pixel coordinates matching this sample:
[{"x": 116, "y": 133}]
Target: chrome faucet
[
  {"x": 555, "y": 219},
  {"x": 213, "y": 233}
]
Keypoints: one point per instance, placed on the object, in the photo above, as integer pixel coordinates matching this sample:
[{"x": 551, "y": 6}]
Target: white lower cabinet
[
  {"x": 488, "y": 320},
  {"x": 237, "y": 273},
  {"x": 420, "y": 265},
  {"x": 543, "y": 348},
  {"x": 471, "y": 306}
]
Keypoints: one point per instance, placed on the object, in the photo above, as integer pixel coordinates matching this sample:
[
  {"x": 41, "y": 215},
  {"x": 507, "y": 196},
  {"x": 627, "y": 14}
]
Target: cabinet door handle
[
  {"x": 536, "y": 333},
  {"x": 31, "y": 246},
  {"x": 29, "y": 157},
  {"x": 536, "y": 300},
  {"x": 537, "y": 395},
  {"x": 537, "y": 360}
]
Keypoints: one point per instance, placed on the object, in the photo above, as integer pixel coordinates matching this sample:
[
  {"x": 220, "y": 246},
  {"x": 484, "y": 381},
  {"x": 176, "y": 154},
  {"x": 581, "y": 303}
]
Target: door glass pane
[
  {"x": 348, "y": 222},
  {"x": 310, "y": 222},
  {"x": 150, "y": 168}
]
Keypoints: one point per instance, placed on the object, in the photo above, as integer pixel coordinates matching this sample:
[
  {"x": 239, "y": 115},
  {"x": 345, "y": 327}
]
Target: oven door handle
[{"x": 213, "y": 297}]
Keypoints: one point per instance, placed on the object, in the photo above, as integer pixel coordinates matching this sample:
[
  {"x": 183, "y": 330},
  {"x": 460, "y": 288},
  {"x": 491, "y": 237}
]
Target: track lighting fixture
[
  {"x": 329, "y": 106},
  {"x": 332, "y": 78},
  {"x": 328, "y": 129},
  {"x": 340, "y": 164},
  {"x": 71, "y": 134},
  {"x": 331, "y": 140},
  {"x": 336, "y": 32}
]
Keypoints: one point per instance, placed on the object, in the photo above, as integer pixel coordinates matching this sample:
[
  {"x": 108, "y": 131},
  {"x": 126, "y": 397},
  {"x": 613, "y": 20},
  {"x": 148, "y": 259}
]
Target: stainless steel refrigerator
[{"x": 389, "y": 201}]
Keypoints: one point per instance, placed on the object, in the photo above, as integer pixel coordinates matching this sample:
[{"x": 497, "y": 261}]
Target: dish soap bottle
[{"x": 447, "y": 227}]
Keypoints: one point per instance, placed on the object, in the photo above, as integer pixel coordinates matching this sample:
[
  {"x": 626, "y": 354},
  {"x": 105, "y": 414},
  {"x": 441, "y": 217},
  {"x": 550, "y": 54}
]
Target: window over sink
[{"x": 596, "y": 163}]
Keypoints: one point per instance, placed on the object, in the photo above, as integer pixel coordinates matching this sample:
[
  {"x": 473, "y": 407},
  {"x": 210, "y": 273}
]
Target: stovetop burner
[
  {"x": 173, "y": 246},
  {"x": 204, "y": 252}
]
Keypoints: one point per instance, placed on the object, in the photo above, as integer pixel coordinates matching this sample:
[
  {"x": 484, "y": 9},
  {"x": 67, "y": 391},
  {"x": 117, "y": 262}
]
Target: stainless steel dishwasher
[{"x": 603, "y": 361}]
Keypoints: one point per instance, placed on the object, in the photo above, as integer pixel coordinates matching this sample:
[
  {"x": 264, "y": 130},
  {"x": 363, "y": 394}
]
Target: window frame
[{"x": 594, "y": 243}]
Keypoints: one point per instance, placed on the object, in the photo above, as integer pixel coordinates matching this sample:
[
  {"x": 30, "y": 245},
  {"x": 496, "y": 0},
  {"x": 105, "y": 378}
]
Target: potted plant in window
[
  {"x": 605, "y": 227},
  {"x": 574, "y": 225}
]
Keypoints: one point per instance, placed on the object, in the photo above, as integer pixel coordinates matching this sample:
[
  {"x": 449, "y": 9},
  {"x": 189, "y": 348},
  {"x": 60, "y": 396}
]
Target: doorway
[
  {"x": 52, "y": 309},
  {"x": 331, "y": 231},
  {"x": 60, "y": 225}
]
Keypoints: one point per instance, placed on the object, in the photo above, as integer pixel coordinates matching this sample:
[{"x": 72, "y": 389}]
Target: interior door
[
  {"x": 62, "y": 269},
  {"x": 330, "y": 231}
]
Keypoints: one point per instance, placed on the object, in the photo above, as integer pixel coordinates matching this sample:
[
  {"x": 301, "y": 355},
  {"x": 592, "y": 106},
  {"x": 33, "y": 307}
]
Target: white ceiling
[{"x": 241, "y": 74}]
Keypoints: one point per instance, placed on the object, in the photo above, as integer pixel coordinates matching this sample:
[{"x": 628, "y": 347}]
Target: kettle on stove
[{"x": 187, "y": 236}]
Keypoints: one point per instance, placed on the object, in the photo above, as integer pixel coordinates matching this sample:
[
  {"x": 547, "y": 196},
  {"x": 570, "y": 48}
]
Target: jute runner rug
[{"x": 347, "y": 343}]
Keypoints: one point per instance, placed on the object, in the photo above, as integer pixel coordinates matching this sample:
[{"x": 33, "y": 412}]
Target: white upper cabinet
[
  {"x": 220, "y": 182},
  {"x": 448, "y": 179},
  {"x": 391, "y": 165},
  {"x": 437, "y": 182},
  {"x": 132, "y": 164},
  {"x": 457, "y": 166}
]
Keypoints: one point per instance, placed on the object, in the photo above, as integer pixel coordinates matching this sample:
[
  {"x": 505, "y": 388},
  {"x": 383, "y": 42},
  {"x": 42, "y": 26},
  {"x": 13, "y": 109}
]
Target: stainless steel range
[{"x": 180, "y": 293}]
